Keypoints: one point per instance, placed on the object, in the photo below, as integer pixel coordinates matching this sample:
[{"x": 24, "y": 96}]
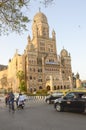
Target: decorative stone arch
[
  {"x": 61, "y": 87},
  {"x": 64, "y": 87},
  {"x": 54, "y": 87},
  {"x": 40, "y": 87},
  {"x": 34, "y": 89},
  {"x": 58, "y": 87},
  {"x": 48, "y": 87}
]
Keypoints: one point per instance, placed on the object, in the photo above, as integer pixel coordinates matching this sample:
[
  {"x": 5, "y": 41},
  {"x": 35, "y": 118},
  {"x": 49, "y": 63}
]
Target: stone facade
[
  {"x": 9, "y": 75},
  {"x": 44, "y": 68},
  {"x": 83, "y": 83}
]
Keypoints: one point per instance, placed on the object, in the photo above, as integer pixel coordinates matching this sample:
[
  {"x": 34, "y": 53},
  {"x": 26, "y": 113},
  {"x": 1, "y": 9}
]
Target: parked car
[
  {"x": 73, "y": 101},
  {"x": 50, "y": 98}
]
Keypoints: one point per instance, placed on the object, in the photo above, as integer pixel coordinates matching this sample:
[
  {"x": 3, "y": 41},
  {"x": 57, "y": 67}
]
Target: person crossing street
[{"x": 11, "y": 101}]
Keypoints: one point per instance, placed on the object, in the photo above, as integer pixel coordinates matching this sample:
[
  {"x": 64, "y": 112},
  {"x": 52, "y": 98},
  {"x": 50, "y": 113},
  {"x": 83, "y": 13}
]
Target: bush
[{"x": 42, "y": 92}]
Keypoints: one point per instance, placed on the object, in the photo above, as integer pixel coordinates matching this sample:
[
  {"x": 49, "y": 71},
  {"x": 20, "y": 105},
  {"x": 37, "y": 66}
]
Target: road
[{"x": 40, "y": 116}]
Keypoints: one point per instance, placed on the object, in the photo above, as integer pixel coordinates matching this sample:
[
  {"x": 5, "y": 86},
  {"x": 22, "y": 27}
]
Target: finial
[
  {"x": 16, "y": 51},
  {"x": 39, "y": 9}
]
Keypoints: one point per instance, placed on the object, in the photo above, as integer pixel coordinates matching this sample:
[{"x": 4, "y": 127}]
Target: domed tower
[
  {"x": 65, "y": 58},
  {"x": 40, "y": 27},
  {"x": 64, "y": 53},
  {"x": 66, "y": 64}
]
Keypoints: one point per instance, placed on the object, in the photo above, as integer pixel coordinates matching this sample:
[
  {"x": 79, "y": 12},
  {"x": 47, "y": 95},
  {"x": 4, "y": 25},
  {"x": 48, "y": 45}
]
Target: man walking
[{"x": 11, "y": 101}]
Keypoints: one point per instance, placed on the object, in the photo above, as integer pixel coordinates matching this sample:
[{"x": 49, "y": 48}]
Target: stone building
[
  {"x": 44, "y": 68},
  {"x": 3, "y": 78},
  {"x": 8, "y": 78},
  {"x": 83, "y": 83}
]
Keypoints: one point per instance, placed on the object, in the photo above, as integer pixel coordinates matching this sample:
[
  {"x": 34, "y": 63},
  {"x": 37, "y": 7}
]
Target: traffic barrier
[{"x": 36, "y": 98}]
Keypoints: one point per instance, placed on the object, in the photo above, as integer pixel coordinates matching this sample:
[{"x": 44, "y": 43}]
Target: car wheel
[
  {"x": 48, "y": 102},
  {"x": 59, "y": 107}
]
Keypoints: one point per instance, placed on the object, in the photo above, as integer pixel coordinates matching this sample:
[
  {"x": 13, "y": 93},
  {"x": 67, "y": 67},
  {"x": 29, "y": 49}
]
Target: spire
[
  {"x": 16, "y": 51},
  {"x": 53, "y": 34},
  {"x": 39, "y": 9},
  {"x": 29, "y": 39}
]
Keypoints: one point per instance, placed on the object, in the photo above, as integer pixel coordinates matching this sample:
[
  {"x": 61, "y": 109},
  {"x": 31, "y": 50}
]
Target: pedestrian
[
  {"x": 7, "y": 99},
  {"x": 11, "y": 101}
]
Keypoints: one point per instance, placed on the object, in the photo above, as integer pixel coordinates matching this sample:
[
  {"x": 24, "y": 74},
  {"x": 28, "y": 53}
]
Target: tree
[
  {"x": 13, "y": 17},
  {"x": 22, "y": 86},
  {"x": 20, "y": 75}
]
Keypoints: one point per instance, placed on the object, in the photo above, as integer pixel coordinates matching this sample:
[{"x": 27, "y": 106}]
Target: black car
[
  {"x": 50, "y": 98},
  {"x": 73, "y": 101}
]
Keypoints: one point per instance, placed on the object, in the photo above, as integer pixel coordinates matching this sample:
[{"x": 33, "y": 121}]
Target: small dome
[
  {"x": 64, "y": 53},
  {"x": 40, "y": 17}
]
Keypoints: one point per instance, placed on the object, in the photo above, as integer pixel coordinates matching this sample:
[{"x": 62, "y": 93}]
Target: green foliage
[
  {"x": 22, "y": 86},
  {"x": 46, "y": 2},
  {"x": 41, "y": 92},
  {"x": 13, "y": 17},
  {"x": 38, "y": 93},
  {"x": 20, "y": 75}
]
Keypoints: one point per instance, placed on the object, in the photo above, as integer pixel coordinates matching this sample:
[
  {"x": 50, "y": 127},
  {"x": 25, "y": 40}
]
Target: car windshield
[{"x": 70, "y": 95}]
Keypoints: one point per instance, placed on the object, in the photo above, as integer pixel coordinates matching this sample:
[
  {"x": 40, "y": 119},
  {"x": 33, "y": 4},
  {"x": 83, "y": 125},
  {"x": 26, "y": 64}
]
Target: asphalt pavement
[{"x": 37, "y": 115}]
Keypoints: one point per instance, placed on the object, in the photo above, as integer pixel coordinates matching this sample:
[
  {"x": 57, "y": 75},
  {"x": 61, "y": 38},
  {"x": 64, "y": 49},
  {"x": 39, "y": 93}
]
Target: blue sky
[{"x": 68, "y": 19}]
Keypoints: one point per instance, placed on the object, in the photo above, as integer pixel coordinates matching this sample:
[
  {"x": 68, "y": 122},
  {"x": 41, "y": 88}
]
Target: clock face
[{"x": 64, "y": 53}]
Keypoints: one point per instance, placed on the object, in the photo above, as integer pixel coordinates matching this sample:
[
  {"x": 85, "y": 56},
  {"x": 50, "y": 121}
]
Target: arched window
[
  {"x": 40, "y": 87},
  {"x": 54, "y": 87},
  {"x": 30, "y": 77},
  {"x": 48, "y": 87},
  {"x": 58, "y": 87}
]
